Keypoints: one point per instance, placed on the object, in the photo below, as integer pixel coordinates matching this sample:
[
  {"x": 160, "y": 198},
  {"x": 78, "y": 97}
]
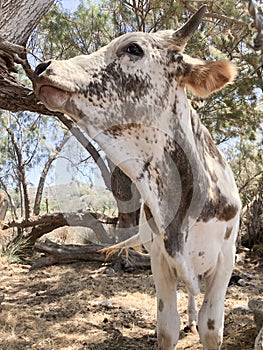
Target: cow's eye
[{"x": 135, "y": 50}]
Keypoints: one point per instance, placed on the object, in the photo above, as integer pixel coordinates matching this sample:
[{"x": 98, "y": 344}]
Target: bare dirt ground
[{"x": 77, "y": 307}]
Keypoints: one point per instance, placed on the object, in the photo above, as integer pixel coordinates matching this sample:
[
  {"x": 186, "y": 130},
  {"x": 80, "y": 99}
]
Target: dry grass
[
  {"x": 14, "y": 249},
  {"x": 75, "y": 307}
]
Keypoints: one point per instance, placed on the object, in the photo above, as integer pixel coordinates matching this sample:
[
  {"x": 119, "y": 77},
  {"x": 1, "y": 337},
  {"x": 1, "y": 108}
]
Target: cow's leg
[
  {"x": 168, "y": 321},
  {"x": 211, "y": 315},
  {"x": 192, "y": 313}
]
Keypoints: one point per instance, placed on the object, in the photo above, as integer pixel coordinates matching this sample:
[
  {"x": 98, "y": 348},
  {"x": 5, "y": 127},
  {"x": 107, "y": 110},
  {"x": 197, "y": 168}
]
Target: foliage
[
  {"x": 63, "y": 35},
  {"x": 146, "y": 16}
]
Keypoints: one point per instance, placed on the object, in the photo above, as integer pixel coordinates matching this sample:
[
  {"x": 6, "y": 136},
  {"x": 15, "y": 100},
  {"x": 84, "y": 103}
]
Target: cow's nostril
[{"x": 42, "y": 67}]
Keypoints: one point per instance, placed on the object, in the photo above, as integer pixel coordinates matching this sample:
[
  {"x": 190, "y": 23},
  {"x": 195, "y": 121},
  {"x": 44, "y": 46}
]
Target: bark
[
  {"x": 15, "y": 97},
  {"x": 64, "y": 254},
  {"x": 19, "y": 18},
  {"x": 258, "y": 24},
  {"x": 49, "y": 222},
  {"x": 252, "y": 217}
]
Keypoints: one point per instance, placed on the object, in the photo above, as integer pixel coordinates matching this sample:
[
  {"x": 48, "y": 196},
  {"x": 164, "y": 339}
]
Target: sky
[{"x": 70, "y": 4}]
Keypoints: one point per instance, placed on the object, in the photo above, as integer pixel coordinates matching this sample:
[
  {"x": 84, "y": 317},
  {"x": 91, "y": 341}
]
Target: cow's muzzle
[{"x": 52, "y": 89}]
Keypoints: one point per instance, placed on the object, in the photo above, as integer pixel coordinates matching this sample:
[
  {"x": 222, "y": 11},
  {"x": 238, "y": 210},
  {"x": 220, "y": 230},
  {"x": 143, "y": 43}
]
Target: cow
[{"x": 130, "y": 97}]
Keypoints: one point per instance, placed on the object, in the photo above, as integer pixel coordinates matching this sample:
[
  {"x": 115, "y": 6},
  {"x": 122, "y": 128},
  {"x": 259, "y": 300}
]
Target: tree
[
  {"x": 24, "y": 145},
  {"x": 17, "y": 21}
]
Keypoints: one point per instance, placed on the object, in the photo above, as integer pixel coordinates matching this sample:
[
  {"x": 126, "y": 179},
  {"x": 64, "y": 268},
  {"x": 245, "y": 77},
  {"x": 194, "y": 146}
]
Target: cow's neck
[
  {"x": 160, "y": 156},
  {"x": 184, "y": 152}
]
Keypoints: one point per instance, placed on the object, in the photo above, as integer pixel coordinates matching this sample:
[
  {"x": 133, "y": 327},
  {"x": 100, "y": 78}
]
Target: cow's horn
[{"x": 183, "y": 34}]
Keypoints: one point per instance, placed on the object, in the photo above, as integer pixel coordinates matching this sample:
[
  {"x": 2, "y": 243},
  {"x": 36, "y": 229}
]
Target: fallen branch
[
  {"x": 69, "y": 253},
  {"x": 49, "y": 222}
]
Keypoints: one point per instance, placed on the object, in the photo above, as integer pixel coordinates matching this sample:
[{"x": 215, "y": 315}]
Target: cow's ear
[{"x": 203, "y": 78}]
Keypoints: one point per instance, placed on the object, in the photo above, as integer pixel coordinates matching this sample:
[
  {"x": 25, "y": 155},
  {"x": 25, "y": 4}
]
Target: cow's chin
[{"x": 53, "y": 98}]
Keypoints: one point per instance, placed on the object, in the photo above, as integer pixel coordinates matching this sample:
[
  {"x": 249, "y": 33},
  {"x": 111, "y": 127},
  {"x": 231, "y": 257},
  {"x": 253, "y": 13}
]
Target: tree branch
[
  {"x": 258, "y": 24},
  {"x": 64, "y": 254},
  {"x": 49, "y": 222},
  {"x": 74, "y": 129},
  {"x": 214, "y": 15}
]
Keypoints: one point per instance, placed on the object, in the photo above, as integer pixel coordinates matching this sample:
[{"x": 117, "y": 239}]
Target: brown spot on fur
[
  {"x": 160, "y": 186},
  {"x": 160, "y": 305},
  {"x": 212, "y": 150},
  {"x": 228, "y": 232},
  {"x": 201, "y": 253},
  {"x": 113, "y": 77},
  {"x": 211, "y": 324},
  {"x": 150, "y": 219},
  {"x": 217, "y": 206},
  {"x": 175, "y": 155},
  {"x": 120, "y": 129}
]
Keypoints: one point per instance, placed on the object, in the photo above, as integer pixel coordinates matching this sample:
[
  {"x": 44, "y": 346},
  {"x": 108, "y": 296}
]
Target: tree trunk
[
  {"x": 3, "y": 206},
  {"x": 18, "y": 19},
  {"x": 25, "y": 203},
  {"x": 10, "y": 199},
  {"x": 64, "y": 254}
]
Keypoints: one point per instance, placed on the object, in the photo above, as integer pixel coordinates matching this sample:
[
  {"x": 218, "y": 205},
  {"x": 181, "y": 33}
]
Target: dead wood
[
  {"x": 69, "y": 253},
  {"x": 46, "y": 223}
]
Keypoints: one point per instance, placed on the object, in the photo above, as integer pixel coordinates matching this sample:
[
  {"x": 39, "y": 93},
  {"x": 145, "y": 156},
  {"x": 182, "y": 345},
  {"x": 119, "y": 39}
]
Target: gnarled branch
[
  {"x": 49, "y": 222},
  {"x": 63, "y": 254}
]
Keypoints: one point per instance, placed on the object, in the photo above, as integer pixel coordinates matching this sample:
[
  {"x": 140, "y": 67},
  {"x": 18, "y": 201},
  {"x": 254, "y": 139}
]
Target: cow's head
[
  {"x": 134, "y": 69},
  {"x": 130, "y": 97}
]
